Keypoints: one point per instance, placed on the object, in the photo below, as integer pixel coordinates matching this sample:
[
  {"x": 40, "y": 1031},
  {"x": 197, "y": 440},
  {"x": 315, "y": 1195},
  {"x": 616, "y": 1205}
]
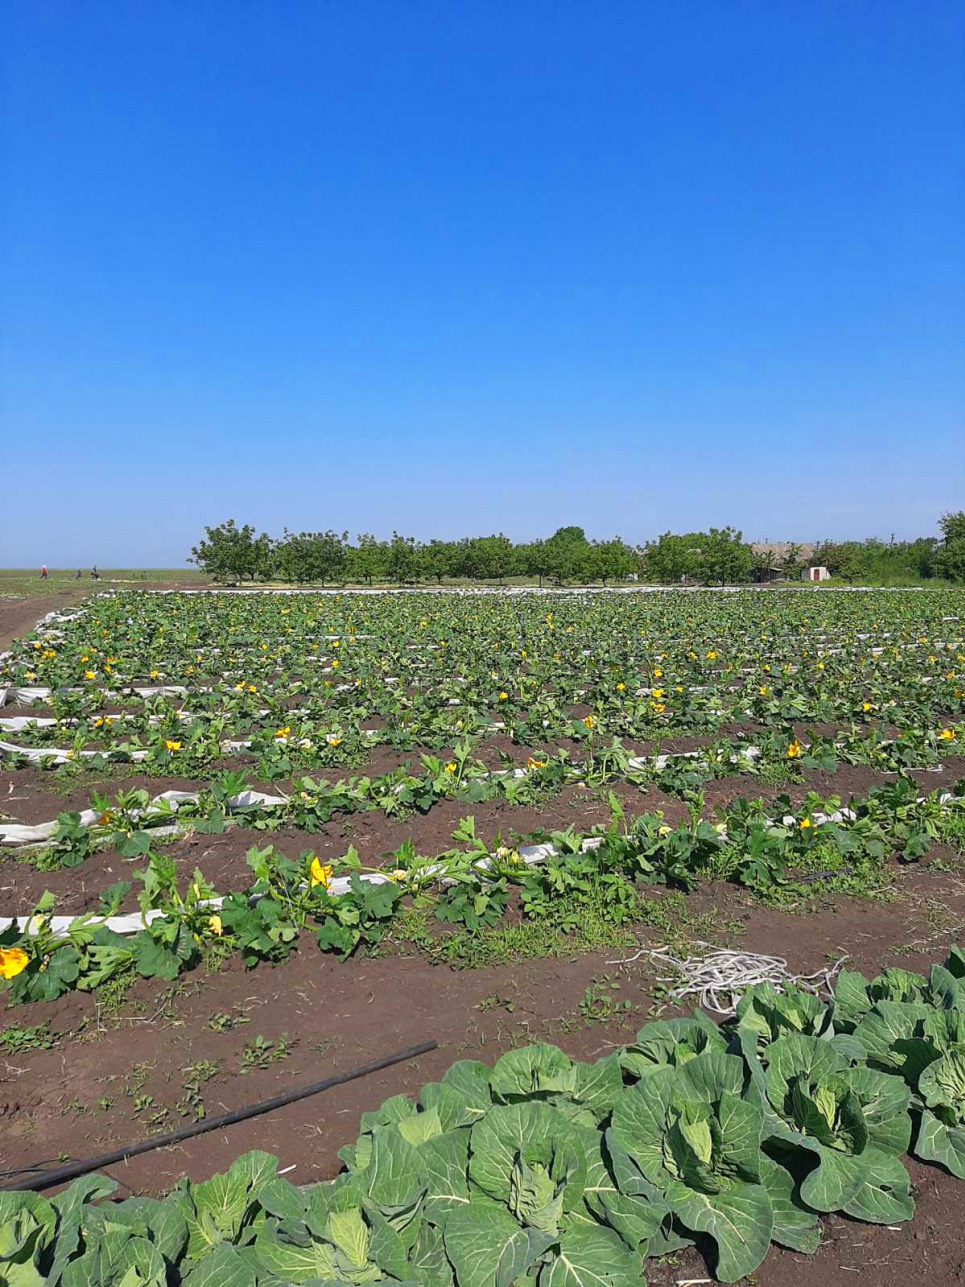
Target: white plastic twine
[{"x": 719, "y": 977}]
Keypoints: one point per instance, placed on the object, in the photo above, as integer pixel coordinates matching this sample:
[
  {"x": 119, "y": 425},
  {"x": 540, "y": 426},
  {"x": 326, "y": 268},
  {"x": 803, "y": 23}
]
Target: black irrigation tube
[{"x": 47, "y": 1179}]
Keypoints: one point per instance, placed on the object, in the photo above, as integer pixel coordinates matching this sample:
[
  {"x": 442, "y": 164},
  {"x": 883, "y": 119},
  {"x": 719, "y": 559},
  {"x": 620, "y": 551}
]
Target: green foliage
[
  {"x": 716, "y": 557},
  {"x": 546, "y": 1170}
]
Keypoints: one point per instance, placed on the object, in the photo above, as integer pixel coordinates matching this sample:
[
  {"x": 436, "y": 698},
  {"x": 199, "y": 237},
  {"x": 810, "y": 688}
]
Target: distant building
[{"x": 816, "y": 574}]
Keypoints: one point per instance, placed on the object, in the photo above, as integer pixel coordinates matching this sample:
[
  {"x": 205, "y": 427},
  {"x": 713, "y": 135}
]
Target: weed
[
  {"x": 17, "y": 1041},
  {"x": 196, "y": 1076},
  {"x": 599, "y": 1005},
  {"x": 260, "y": 1053},
  {"x": 228, "y": 1022},
  {"x": 494, "y": 1001}
]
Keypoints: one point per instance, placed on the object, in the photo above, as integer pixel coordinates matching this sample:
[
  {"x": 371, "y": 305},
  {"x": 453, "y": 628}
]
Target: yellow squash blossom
[
  {"x": 283, "y": 732},
  {"x": 172, "y": 746},
  {"x": 947, "y": 735},
  {"x": 763, "y": 690},
  {"x": 588, "y": 721},
  {"x": 621, "y": 688},
  {"x": 532, "y": 763},
  {"x": 320, "y": 874},
  {"x": 504, "y": 697},
  {"x": 804, "y": 824},
  {"x": 451, "y": 766},
  {"x": 214, "y": 925},
  {"x": 89, "y": 674},
  {"x": 794, "y": 750},
  {"x": 13, "y": 960}
]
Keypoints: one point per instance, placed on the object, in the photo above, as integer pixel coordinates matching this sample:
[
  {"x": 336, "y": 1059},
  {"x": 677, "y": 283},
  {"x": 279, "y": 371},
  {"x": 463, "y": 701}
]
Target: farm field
[{"x": 297, "y": 832}]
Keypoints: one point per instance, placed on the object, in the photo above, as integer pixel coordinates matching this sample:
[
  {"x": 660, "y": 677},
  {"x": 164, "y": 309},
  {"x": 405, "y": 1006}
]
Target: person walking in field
[{"x": 43, "y": 573}]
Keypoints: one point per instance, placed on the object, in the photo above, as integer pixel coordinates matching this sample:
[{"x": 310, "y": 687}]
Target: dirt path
[{"x": 18, "y": 616}]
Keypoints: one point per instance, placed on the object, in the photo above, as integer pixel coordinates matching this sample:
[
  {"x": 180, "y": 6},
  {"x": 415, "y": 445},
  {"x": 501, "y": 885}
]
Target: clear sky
[{"x": 455, "y": 267}]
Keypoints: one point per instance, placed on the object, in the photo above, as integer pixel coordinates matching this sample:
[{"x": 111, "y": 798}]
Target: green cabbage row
[{"x": 548, "y": 1172}]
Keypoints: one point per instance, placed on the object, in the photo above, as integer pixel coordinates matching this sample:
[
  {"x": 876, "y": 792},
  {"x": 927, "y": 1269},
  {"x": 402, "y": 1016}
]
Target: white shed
[{"x": 817, "y": 574}]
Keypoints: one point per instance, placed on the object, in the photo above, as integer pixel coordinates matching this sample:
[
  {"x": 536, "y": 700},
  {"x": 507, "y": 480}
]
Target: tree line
[{"x": 230, "y": 553}]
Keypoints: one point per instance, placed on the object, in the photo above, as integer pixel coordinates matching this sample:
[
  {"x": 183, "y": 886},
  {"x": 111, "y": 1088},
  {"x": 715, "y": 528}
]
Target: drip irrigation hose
[{"x": 47, "y": 1179}]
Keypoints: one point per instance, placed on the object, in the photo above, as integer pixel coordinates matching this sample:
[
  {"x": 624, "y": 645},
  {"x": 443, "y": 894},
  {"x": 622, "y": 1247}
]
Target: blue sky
[{"x": 460, "y": 267}]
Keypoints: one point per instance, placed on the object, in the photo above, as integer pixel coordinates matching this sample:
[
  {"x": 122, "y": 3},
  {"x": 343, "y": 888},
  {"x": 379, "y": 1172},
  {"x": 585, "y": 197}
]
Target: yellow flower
[
  {"x": 153, "y": 674},
  {"x": 13, "y": 960},
  {"x": 804, "y": 824},
  {"x": 656, "y": 694},
  {"x": 658, "y": 707},
  {"x": 658, "y": 673},
  {"x": 334, "y": 741},
  {"x": 664, "y": 830},
  {"x": 588, "y": 721},
  {"x": 399, "y": 874},
  {"x": 504, "y": 697},
  {"x": 99, "y": 721},
  {"x": 711, "y": 656},
  {"x": 172, "y": 746},
  {"x": 89, "y": 674},
  {"x": 867, "y": 706},
  {"x": 214, "y": 924},
  {"x": 283, "y": 732},
  {"x": 763, "y": 690},
  {"x": 532, "y": 763},
  {"x": 794, "y": 750},
  {"x": 105, "y": 818},
  {"x": 319, "y": 874},
  {"x": 451, "y": 766},
  {"x": 947, "y": 735},
  {"x": 621, "y": 688},
  {"x": 335, "y": 664}
]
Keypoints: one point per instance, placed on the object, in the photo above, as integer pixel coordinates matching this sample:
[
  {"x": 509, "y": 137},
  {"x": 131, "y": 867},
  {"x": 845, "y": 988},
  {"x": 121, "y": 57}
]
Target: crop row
[
  {"x": 762, "y": 846},
  {"x": 547, "y": 1171}
]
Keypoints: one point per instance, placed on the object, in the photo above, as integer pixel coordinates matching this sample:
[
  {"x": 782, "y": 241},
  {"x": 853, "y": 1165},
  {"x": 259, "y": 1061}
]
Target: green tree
[
  {"x": 611, "y": 560},
  {"x": 671, "y": 558},
  {"x": 568, "y": 553},
  {"x": 369, "y": 560},
  {"x": 403, "y": 559},
  {"x": 311, "y": 556},
  {"x": 950, "y": 555},
  {"x": 491, "y": 557},
  {"x": 231, "y": 553},
  {"x": 440, "y": 559}
]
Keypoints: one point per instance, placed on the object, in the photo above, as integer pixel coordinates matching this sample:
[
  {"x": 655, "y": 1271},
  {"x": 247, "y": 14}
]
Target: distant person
[
  {"x": 43, "y": 573},
  {"x": 94, "y": 574},
  {"x": 79, "y": 575}
]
